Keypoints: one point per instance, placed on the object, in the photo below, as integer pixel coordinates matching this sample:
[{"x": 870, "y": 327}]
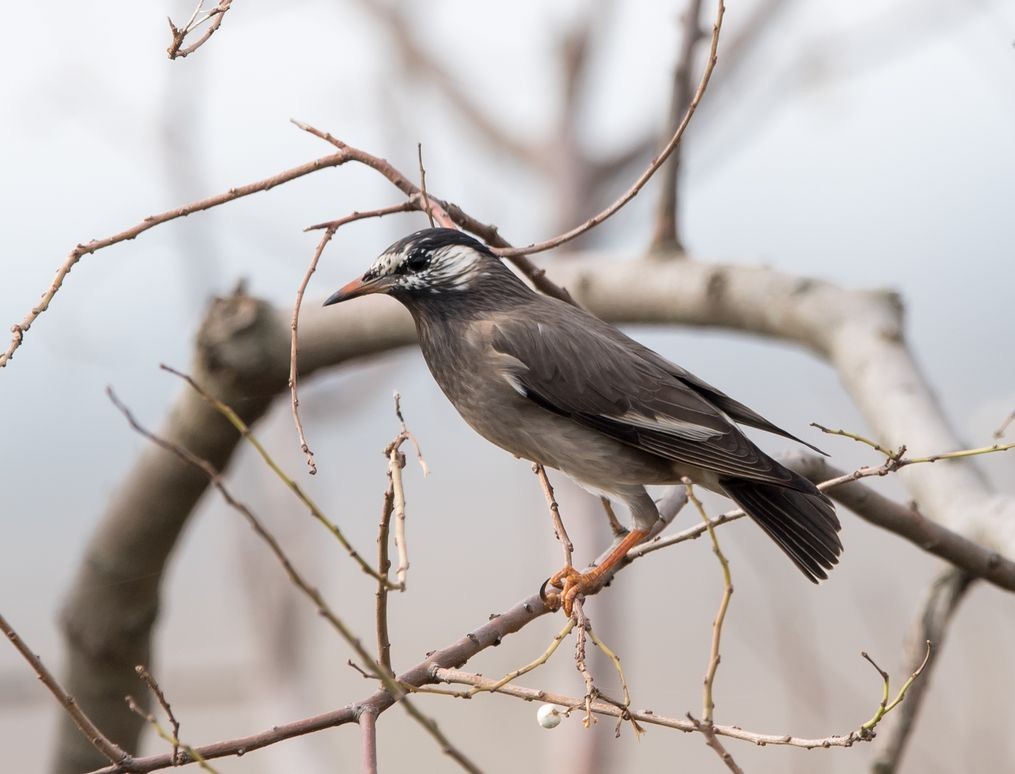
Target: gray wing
[
  {"x": 736, "y": 410},
  {"x": 571, "y": 364}
]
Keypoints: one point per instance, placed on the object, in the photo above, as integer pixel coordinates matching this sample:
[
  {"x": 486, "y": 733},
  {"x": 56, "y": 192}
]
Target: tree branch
[
  {"x": 616, "y": 206},
  {"x": 84, "y": 724},
  {"x": 215, "y": 16},
  {"x": 666, "y": 238}
]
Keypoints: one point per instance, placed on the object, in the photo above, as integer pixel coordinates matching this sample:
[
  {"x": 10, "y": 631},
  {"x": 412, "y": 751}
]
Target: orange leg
[{"x": 572, "y": 583}]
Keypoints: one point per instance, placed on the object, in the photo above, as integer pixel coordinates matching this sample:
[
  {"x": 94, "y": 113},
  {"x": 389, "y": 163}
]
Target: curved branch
[{"x": 243, "y": 359}]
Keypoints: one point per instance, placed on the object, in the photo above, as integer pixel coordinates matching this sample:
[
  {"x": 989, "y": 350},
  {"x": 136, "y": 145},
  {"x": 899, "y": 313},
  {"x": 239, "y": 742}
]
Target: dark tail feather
[{"x": 803, "y": 523}]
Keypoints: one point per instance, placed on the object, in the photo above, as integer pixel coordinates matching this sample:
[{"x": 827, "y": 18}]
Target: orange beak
[{"x": 360, "y": 288}]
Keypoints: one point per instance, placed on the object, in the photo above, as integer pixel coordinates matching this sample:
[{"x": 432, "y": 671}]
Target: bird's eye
[{"x": 417, "y": 260}]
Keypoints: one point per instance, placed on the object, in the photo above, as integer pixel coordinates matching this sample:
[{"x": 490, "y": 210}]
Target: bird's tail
[{"x": 798, "y": 517}]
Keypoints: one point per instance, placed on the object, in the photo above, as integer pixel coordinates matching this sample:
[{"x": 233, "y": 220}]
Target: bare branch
[
  {"x": 649, "y": 717},
  {"x": 935, "y": 615},
  {"x": 215, "y": 16},
  {"x": 98, "y": 740},
  {"x": 156, "y": 690},
  {"x": 326, "y": 612},
  {"x": 595, "y": 220},
  {"x": 368, "y": 731},
  {"x": 329, "y": 231},
  {"x": 708, "y": 703},
  {"x": 712, "y": 740},
  {"x": 418, "y": 62},
  {"x": 190, "y": 754},
  {"x": 559, "y": 531},
  {"x": 244, "y": 430},
  {"x": 907, "y": 522},
  {"x": 20, "y": 329},
  {"x": 666, "y": 238}
]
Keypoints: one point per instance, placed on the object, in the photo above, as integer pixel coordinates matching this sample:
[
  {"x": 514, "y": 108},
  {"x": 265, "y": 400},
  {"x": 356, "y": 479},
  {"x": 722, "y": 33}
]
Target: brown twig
[
  {"x": 381, "y": 595},
  {"x": 890, "y": 466},
  {"x": 422, "y": 183},
  {"x": 538, "y": 662},
  {"x": 559, "y": 530},
  {"x": 329, "y": 231},
  {"x": 907, "y": 522},
  {"x": 580, "y": 642},
  {"x": 294, "y": 326},
  {"x": 708, "y": 730},
  {"x": 708, "y": 703},
  {"x": 99, "y": 741},
  {"x": 20, "y": 329},
  {"x": 215, "y": 16},
  {"x": 595, "y": 220},
  {"x": 447, "y": 214},
  {"x": 190, "y": 753},
  {"x": 325, "y": 611},
  {"x": 933, "y": 619},
  {"x": 666, "y": 237},
  {"x": 244, "y": 430},
  {"x": 649, "y": 717},
  {"x": 154, "y": 687}
]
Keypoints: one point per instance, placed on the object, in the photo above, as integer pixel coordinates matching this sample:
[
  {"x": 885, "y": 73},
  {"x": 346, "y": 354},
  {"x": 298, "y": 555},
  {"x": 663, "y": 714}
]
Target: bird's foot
[{"x": 572, "y": 584}]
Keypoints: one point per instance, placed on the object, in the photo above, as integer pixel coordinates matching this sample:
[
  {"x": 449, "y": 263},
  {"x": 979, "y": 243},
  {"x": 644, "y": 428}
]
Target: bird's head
[{"x": 431, "y": 261}]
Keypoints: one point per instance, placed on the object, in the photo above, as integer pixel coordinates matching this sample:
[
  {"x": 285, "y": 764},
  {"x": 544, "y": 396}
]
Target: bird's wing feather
[
  {"x": 736, "y": 410},
  {"x": 567, "y": 364}
]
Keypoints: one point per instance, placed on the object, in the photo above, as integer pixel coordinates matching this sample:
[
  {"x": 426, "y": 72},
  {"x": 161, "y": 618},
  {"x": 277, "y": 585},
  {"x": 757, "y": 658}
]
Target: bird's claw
[{"x": 571, "y": 583}]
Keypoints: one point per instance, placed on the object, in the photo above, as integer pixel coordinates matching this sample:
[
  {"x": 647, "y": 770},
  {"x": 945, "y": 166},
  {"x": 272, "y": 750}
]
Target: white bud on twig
[{"x": 549, "y": 716}]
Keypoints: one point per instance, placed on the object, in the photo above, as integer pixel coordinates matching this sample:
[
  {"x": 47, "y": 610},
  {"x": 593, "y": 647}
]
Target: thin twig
[
  {"x": 422, "y": 184},
  {"x": 660, "y": 158},
  {"x": 891, "y": 465},
  {"x": 154, "y": 687},
  {"x": 558, "y": 524},
  {"x": 294, "y": 348},
  {"x": 550, "y": 650},
  {"x": 215, "y": 15},
  {"x": 649, "y": 717},
  {"x": 887, "y": 706},
  {"x": 326, "y": 612},
  {"x": 20, "y": 329},
  {"x": 98, "y": 740},
  {"x": 859, "y": 439},
  {"x": 666, "y": 237},
  {"x": 172, "y": 738},
  {"x": 708, "y": 702},
  {"x": 330, "y": 228},
  {"x": 712, "y": 740},
  {"x": 447, "y": 214},
  {"x": 383, "y": 566},
  {"x": 236, "y": 421},
  {"x": 1003, "y": 427},
  {"x": 626, "y": 704},
  {"x": 582, "y": 623},
  {"x": 931, "y": 625}
]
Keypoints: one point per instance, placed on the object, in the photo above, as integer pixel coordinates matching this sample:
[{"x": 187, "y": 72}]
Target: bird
[{"x": 553, "y": 384}]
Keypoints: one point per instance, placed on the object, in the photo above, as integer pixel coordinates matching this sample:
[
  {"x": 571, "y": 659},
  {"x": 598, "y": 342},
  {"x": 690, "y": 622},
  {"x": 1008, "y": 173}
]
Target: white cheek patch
[{"x": 454, "y": 268}]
